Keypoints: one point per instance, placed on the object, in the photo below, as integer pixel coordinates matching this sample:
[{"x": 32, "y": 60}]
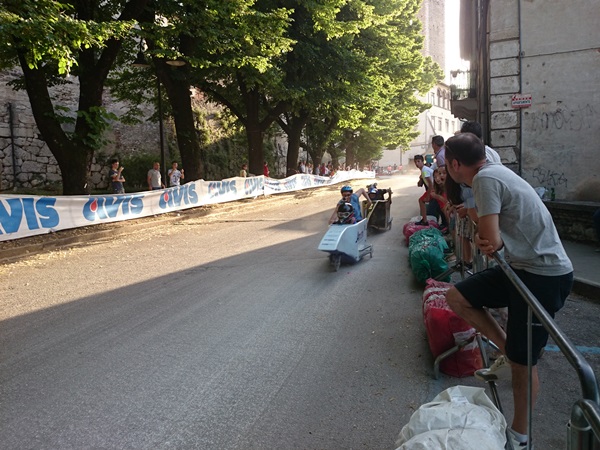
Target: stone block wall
[
  {"x": 573, "y": 220},
  {"x": 26, "y": 160}
]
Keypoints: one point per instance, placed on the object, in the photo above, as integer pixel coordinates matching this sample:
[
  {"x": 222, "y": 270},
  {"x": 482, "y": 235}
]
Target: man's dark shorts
[{"x": 492, "y": 288}]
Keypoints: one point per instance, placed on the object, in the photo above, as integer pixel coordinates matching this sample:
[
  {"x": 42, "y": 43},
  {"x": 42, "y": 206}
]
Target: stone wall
[
  {"x": 554, "y": 141},
  {"x": 26, "y": 160},
  {"x": 573, "y": 220}
]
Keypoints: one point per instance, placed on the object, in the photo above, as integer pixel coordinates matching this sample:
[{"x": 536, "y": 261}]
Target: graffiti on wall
[
  {"x": 564, "y": 118},
  {"x": 549, "y": 177}
]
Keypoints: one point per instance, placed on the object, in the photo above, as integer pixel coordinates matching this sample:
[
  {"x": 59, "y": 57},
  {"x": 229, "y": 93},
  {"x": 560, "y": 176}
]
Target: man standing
[
  {"x": 437, "y": 143},
  {"x": 175, "y": 175},
  {"x": 155, "y": 178},
  {"x": 534, "y": 251},
  {"x": 116, "y": 178}
]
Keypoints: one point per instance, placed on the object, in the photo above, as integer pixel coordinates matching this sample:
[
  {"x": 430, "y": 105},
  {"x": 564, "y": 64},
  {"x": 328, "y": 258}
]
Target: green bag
[{"x": 426, "y": 254}]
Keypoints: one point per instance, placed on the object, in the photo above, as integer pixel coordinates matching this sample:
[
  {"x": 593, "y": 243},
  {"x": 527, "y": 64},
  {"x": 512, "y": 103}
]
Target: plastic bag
[
  {"x": 411, "y": 227},
  {"x": 426, "y": 254},
  {"x": 445, "y": 330},
  {"x": 459, "y": 418}
]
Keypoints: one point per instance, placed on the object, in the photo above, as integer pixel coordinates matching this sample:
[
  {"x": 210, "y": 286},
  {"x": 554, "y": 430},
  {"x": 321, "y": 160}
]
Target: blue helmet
[{"x": 346, "y": 189}]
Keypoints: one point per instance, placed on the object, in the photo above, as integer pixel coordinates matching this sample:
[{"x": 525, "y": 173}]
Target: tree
[
  {"x": 50, "y": 39},
  {"x": 362, "y": 83}
]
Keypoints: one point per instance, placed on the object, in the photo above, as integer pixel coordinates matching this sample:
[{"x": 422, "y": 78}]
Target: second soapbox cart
[
  {"x": 346, "y": 243},
  {"x": 378, "y": 215}
]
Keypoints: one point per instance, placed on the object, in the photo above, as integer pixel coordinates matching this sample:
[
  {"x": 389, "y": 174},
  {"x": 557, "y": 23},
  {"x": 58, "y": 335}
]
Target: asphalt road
[{"x": 230, "y": 331}]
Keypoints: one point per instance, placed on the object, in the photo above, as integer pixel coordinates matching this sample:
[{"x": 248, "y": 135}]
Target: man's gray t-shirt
[{"x": 530, "y": 238}]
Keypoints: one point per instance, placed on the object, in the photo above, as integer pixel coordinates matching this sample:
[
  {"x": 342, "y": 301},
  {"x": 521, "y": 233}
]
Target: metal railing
[
  {"x": 583, "y": 428},
  {"x": 584, "y": 424}
]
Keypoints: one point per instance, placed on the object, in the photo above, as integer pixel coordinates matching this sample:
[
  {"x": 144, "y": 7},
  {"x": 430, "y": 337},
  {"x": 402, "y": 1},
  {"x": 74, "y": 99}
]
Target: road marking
[{"x": 582, "y": 349}]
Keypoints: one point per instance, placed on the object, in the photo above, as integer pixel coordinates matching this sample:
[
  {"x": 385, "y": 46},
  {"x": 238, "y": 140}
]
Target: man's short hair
[
  {"x": 418, "y": 158},
  {"x": 437, "y": 140},
  {"x": 466, "y": 148},
  {"x": 114, "y": 160},
  {"x": 472, "y": 127}
]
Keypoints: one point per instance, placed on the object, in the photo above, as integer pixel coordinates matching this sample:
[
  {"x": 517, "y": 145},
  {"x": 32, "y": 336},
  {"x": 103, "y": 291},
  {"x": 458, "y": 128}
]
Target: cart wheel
[
  {"x": 389, "y": 227},
  {"x": 371, "y": 254},
  {"x": 336, "y": 260}
]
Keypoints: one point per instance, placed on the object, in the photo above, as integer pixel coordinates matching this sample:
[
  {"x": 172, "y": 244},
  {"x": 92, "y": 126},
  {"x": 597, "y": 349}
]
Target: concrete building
[
  {"x": 439, "y": 118},
  {"x": 534, "y": 84}
]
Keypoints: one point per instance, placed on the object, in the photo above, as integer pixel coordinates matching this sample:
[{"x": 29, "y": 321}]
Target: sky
[{"x": 453, "y": 60}]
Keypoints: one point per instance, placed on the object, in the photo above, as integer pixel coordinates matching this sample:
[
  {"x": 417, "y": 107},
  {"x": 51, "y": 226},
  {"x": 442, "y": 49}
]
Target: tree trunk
[
  {"x": 190, "y": 147},
  {"x": 74, "y": 156}
]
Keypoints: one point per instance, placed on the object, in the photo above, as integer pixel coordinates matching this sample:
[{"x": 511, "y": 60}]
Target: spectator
[
  {"x": 437, "y": 204},
  {"x": 437, "y": 143},
  {"x": 116, "y": 177},
  {"x": 265, "y": 169},
  {"x": 155, "y": 178},
  {"x": 175, "y": 175},
  {"x": 244, "y": 171},
  {"x": 426, "y": 180},
  {"x": 301, "y": 167},
  {"x": 533, "y": 247}
]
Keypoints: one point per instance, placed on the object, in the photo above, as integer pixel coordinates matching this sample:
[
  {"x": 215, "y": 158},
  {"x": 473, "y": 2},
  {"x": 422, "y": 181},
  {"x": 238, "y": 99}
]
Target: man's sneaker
[
  {"x": 516, "y": 445},
  {"x": 500, "y": 370}
]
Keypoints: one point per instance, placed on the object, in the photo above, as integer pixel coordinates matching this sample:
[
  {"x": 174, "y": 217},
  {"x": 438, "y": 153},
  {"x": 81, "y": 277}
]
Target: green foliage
[
  {"x": 97, "y": 119},
  {"x": 136, "y": 170},
  {"x": 49, "y": 31}
]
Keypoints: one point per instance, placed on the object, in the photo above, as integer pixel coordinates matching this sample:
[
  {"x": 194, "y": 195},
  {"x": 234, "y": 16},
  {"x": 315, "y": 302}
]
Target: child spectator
[
  {"x": 425, "y": 179},
  {"x": 438, "y": 193}
]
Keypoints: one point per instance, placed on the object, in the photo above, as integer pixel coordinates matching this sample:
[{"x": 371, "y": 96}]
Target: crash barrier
[
  {"x": 29, "y": 215},
  {"x": 583, "y": 429}
]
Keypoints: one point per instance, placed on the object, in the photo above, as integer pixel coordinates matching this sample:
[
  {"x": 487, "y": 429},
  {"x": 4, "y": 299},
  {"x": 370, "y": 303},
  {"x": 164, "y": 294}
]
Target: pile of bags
[{"x": 445, "y": 330}]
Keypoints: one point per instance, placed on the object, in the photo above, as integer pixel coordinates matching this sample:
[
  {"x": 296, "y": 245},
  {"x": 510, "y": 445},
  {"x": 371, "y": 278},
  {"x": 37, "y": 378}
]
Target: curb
[{"x": 587, "y": 288}]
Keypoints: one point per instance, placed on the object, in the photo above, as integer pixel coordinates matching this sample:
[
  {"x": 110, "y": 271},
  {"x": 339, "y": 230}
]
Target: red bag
[
  {"x": 445, "y": 329},
  {"x": 411, "y": 228}
]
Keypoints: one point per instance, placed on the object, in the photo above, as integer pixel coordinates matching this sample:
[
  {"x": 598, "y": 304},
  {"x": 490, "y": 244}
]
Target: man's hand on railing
[{"x": 485, "y": 246}]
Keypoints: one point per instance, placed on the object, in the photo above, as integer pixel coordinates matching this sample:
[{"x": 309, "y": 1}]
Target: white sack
[{"x": 459, "y": 418}]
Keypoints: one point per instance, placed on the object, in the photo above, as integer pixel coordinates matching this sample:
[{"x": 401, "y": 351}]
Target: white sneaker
[
  {"x": 516, "y": 445},
  {"x": 500, "y": 370}
]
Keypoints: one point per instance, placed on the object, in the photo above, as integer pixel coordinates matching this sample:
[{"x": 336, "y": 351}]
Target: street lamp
[{"x": 142, "y": 62}]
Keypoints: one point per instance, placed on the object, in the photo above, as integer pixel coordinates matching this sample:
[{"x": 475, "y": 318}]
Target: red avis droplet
[
  {"x": 166, "y": 197},
  {"x": 94, "y": 205}
]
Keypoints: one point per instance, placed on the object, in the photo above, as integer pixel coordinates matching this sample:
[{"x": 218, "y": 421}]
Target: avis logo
[
  {"x": 174, "y": 196},
  {"x": 251, "y": 185},
  {"x": 216, "y": 188},
  {"x": 109, "y": 207},
  {"x": 306, "y": 181},
  {"x": 38, "y": 213}
]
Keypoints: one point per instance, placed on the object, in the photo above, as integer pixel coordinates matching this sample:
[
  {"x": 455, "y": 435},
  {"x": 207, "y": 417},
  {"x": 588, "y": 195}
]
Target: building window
[
  {"x": 447, "y": 126},
  {"x": 440, "y": 124}
]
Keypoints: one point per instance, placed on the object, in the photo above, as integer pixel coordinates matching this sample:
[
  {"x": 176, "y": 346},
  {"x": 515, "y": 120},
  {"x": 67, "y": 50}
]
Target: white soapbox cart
[{"x": 346, "y": 243}]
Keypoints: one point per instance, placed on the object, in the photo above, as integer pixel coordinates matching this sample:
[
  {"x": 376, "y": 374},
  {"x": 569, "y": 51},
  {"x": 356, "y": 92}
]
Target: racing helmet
[
  {"x": 345, "y": 213},
  {"x": 346, "y": 189}
]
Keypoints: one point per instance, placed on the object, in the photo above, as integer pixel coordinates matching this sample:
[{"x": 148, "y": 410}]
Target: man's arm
[
  {"x": 362, "y": 192},
  {"x": 150, "y": 181},
  {"x": 488, "y": 237}
]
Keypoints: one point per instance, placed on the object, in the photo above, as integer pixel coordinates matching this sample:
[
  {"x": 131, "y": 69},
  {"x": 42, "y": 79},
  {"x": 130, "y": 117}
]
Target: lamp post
[{"x": 142, "y": 62}]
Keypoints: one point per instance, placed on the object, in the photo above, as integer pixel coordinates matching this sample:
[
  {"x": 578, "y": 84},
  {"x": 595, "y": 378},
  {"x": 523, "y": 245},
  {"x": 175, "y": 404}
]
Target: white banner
[{"x": 29, "y": 215}]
